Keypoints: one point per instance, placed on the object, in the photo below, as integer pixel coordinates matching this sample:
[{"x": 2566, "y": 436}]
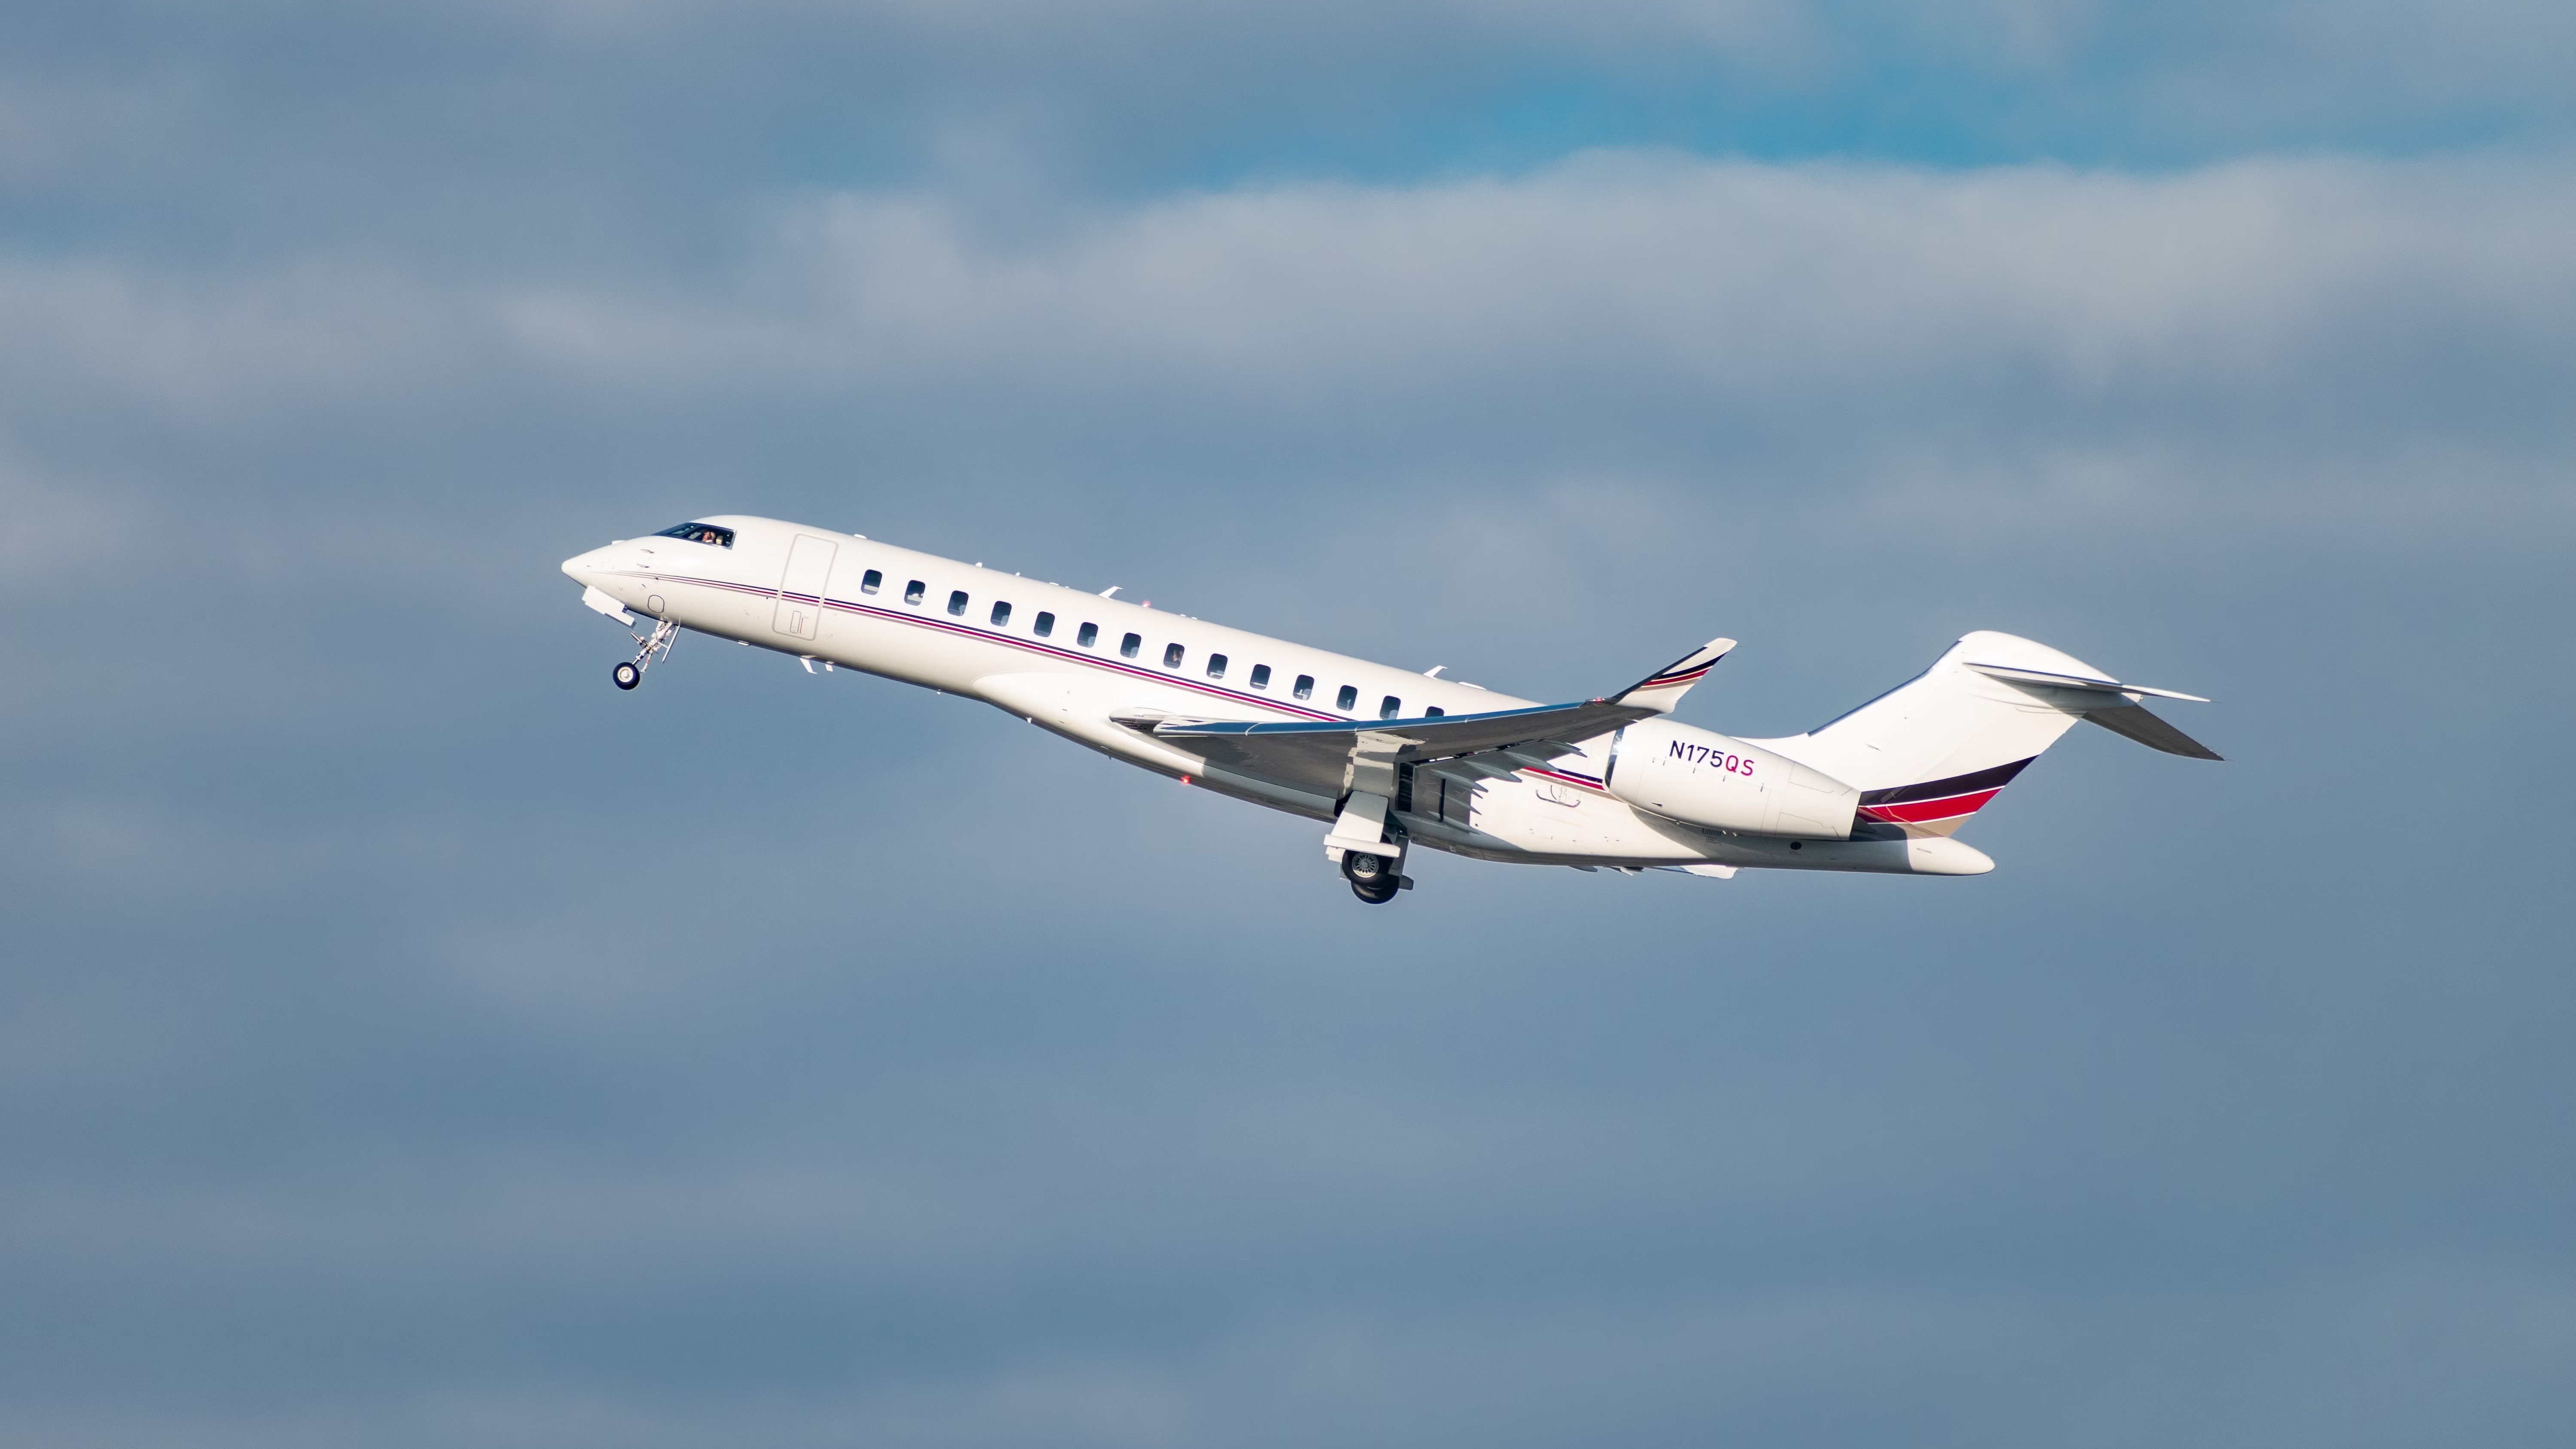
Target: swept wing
[{"x": 1334, "y": 757}]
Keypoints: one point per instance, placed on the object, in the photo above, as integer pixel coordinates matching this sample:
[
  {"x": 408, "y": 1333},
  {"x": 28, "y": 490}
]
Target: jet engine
[{"x": 1702, "y": 778}]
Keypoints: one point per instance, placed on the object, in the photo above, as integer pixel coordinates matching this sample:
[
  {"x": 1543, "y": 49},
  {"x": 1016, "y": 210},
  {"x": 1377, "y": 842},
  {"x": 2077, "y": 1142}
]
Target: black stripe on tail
[{"x": 1994, "y": 779}]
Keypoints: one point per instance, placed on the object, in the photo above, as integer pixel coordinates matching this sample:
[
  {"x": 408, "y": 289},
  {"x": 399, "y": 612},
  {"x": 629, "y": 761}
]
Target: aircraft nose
[{"x": 583, "y": 567}]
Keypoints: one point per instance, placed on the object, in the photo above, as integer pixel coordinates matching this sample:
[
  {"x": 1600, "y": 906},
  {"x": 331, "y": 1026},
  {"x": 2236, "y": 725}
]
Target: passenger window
[
  {"x": 1387, "y": 707},
  {"x": 1128, "y": 646},
  {"x": 1347, "y": 700},
  {"x": 1044, "y": 625},
  {"x": 1434, "y": 712},
  {"x": 1216, "y": 666},
  {"x": 871, "y": 581},
  {"x": 1089, "y": 635},
  {"x": 957, "y": 602},
  {"x": 1305, "y": 686},
  {"x": 912, "y": 591},
  {"x": 1261, "y": 676},
  {"x": 1172, "y": 656},
  {"x": 1001, "y": 616}
]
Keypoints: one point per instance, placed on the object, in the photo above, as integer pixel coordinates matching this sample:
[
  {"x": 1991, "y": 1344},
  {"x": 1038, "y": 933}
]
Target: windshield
[{"x": 699, "y": 533}]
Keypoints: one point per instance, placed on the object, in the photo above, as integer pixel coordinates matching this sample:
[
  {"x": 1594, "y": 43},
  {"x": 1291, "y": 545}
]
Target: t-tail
[{"x": 1931, "y": 752}]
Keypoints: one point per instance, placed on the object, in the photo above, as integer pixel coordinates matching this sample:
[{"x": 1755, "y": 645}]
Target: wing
[{"x": 1334, "y": 757}]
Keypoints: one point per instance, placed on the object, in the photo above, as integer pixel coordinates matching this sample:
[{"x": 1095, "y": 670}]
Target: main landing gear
[
  {"x": 1373, "y": 877},
  {"x": 630, "y": 672}
]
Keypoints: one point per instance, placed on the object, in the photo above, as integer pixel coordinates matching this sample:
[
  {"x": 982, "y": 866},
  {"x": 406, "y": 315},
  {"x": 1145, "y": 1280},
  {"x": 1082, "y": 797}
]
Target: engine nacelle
[{"x": 1702, "y": 778}]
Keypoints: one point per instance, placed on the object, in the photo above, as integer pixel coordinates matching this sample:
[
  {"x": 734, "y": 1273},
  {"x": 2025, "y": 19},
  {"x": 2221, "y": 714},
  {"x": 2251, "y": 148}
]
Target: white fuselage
[{"x": 1076, "y": 663}]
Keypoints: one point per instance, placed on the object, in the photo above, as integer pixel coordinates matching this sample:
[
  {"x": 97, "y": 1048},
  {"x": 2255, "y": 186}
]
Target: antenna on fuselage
[{"x": 1111, "y": 592}]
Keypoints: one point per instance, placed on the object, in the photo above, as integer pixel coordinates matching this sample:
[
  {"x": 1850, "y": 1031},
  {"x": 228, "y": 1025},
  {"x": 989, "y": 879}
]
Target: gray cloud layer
[
  {"x": 493, "y": 134},
  {"x": 403, "y": 1036},
  {"x": 1650, "y": 310}
]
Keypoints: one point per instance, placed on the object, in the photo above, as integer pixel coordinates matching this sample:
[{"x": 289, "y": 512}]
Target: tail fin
[{"x": 1931, "y": 752}]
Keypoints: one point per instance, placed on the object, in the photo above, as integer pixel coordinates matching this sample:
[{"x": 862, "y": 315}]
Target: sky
[{"x": 408, "y": 1039}]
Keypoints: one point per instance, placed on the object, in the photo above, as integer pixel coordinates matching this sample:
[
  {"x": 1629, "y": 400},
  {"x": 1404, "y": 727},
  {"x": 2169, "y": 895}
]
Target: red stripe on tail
[{"x": 1914, "y": 812}]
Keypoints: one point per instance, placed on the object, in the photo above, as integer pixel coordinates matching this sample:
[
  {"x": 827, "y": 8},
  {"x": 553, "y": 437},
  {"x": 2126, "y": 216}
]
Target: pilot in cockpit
[{"x": 699, "y": 533}]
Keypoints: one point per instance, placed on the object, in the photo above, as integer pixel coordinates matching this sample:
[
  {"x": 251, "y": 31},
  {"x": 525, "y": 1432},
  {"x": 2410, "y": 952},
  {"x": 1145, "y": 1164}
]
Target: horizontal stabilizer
[
  {"x": 2119, "y": 710},
  {"x": 2076, "y": 681},
  {"x": 2139, "y": 723}
]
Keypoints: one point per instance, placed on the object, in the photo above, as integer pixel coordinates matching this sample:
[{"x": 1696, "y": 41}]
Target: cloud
[
  {"x": 404, "y": 1036},
  {"x": 454, "y": 126},
  {"x": 2383, "y": 341}
]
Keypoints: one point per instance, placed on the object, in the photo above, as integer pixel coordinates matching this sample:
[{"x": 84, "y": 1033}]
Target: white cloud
[
  {"x": 2264, "y": 320},
  {"x": 1737, "y": 283}
]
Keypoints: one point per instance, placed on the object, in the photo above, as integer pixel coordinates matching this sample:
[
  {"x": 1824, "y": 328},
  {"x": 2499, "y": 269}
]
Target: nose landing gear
[{"x": 630, "y": 672}]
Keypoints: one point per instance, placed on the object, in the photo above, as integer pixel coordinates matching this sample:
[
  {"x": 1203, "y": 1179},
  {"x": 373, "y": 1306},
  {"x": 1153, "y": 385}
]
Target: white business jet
[{"x": 1392, "y": 759}]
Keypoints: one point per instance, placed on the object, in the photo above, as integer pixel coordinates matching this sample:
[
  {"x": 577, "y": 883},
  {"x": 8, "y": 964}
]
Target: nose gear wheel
[{"x": 630, "y": 673}]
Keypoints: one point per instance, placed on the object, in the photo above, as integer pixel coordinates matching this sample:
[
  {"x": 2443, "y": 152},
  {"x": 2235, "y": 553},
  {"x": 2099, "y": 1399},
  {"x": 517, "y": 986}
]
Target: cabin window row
[{"x": 1174, "y": 655}]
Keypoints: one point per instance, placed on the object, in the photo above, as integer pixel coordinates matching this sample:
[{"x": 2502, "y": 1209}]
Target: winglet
[{"x": 1663, "y": 689}]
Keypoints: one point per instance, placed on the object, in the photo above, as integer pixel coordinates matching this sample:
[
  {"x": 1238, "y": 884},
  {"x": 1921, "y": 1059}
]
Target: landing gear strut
[{"x": 630, "y": 672}]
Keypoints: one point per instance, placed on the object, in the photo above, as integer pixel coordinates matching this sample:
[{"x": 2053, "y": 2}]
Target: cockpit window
[{"x": 699, "y": 533}]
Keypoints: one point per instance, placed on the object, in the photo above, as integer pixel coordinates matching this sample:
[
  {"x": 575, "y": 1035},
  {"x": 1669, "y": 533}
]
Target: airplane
[{"x": 1389, "y": 758}]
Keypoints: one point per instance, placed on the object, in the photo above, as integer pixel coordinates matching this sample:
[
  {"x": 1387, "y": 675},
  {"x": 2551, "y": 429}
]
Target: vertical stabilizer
[{"x": 1931, "y": 752}]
